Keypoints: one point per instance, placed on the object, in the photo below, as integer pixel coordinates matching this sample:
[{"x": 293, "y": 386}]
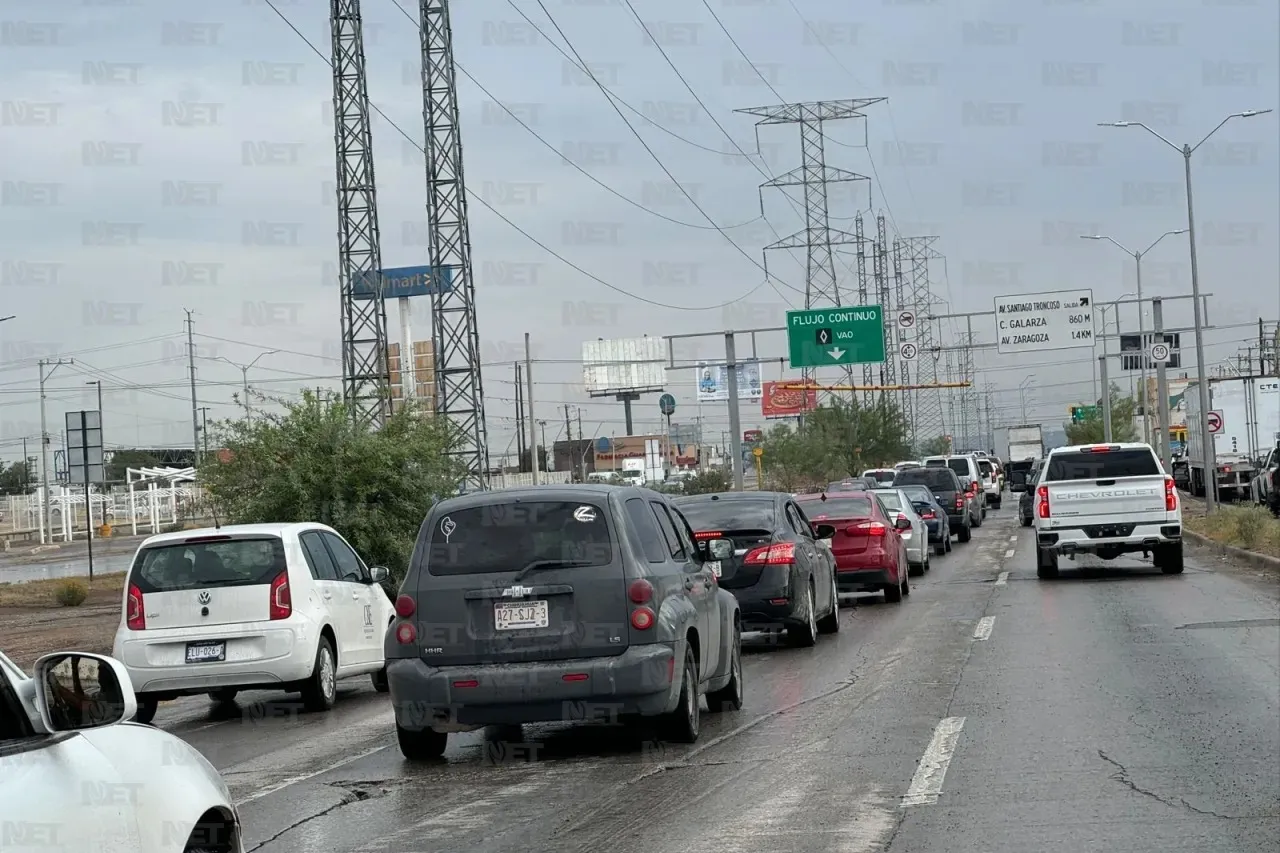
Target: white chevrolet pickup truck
[{"x": 1107, "y": 500}]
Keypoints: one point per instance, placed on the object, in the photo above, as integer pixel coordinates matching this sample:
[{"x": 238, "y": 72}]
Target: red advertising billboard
[{"x": 778, "y": 402}]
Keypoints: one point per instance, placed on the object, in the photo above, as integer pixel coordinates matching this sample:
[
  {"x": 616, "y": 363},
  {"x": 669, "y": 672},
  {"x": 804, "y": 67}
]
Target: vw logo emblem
[{"x": 204, "y": 598}]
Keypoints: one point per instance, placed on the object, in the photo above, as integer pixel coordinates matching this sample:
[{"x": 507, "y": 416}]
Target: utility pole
[
  {"x": 582, "y": 459},
  {"x": 44, "y": 446},
  {"x": 568, "y": 435},
  {"x": 542, "y": 447},
  {"x": 533, "y": 435},
  {"x": 191, "y": 367},
  {"x": 522, "y": 435},
  {"x": 204, "y": 429}
]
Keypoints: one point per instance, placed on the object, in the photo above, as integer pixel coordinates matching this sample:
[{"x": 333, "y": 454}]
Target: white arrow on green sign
[{"x": 823, "y": 337}]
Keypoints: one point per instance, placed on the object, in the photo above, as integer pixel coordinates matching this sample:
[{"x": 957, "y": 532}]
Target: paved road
[{"x": 1112, "y": 709}]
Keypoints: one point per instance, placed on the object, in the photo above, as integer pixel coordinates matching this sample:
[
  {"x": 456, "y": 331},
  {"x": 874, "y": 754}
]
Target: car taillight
[
  {"x": 1042, "y": 508},
  {"x": 1170, "y": 495},
  {"x": 959, "y": 501},
  {"x": 281, "y": 600},
  {"x": 707, "y": 534},
  {"x": 406, "y": 606},
  {"x": 867, "y": 528},
  {"x": 136, "y": 619},
  {"x": 781, "y": 554},
  {"x": 642, "y": 618},
  {"x": 928, "y": 513},
  {"x": 406, "y": 633},
  {"x": 640, "y": 592}
]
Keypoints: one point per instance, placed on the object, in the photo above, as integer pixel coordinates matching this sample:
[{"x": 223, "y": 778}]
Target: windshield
[
  {"x": 505, "y": 537},
  {"x": 940, "y": 479},
  {"x": 707, "y": 514},
  {"x": 836, "y": 506},
  {"x": 216, "y": 562},
  {"x": 1138, "y": 462}
]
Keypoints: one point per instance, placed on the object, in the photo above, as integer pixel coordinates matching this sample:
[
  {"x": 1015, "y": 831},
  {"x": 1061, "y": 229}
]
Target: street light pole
[
  {"x": 1202, "y": 383},
  {"x": 244, "y": 375}
]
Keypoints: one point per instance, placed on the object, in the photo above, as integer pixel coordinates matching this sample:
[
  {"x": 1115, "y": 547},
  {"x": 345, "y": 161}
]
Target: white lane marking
[
  {"x": 985, "y": 624},
  {"x": 1013, "y": 538},
  {"x": 926, "y": 785},
  {"x": 302, "y": 777},
  {"x": 1008, "y": 554},
  {"x": 1002, "y": 579}
]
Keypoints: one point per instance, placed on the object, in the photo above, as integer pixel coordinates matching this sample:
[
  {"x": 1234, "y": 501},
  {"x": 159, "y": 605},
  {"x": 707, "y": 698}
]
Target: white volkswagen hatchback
[
  {"x": 75, "y": 776},
  {"x": 251, "y": 607}
]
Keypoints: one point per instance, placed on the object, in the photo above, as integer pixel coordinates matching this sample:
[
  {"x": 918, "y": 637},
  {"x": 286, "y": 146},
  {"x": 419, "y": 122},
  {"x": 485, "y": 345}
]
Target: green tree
[
  {"x": 707, "y": 481},
  {"x": 838, "y": 439},
  {"x": 940, "y": 446},
  {"x": 1091, "y": 430},
  {"x": 123, "y": 460},
  {"x": 312, "y": 463},
  {"x": 17, "y": 479}
]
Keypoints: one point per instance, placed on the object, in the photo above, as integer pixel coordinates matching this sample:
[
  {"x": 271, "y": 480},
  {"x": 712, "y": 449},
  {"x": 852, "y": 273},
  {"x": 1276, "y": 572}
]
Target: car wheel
[
  {"x": 805, "y": 634},
  {"x": 1169, "y": 558},
  {"x": 916, "y": 570},
  {"x": 379, "y": 680},
  {"x": 425, "y": 745},
  {"x": 893, "y": 591},
  {"x": 684, "y": 724},
  {"x": 730, "y": 697},
  {"x": 147, "y": 708},
  {"x": 224, "y": 697},
  {"x": 996, "y": 504},
  {"x": 830, "y": 624},
  {"x": 927, "y": 561},
  {"x": 940, "y": 549},
  {"x": 977, "y": 522},
  {"x": 906, "y": 585},
  {"x": 1046, "y": 563},
  {"x": 321, "y": 689},
  {"x": 948, "y": 542},
  {"x": 965, "y": 534}
]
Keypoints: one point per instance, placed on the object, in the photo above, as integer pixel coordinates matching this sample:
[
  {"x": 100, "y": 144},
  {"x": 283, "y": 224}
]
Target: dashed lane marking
[
  {"x": 1013, "y": 538},
  {"x": 926, "y": 785},
  {"x": 1002, "y": 579},
  {"x": 985, "y": 624},
  {"x": 1008, "y": 554}
]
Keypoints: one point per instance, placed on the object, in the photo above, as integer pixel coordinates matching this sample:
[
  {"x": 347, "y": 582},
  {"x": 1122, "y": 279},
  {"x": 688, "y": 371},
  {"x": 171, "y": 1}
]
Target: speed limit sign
[
  {"x": 908, "y": 351},
  {"x": 1160, "y": 352}
]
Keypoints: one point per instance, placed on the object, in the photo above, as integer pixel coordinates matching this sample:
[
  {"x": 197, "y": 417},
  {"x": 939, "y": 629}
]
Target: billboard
[
  {"x": 778, "y": 402},
  {"x": 622, "y": 366},
  {"x": 403, "y": 282},
  {"x": 713, "y": 382}
]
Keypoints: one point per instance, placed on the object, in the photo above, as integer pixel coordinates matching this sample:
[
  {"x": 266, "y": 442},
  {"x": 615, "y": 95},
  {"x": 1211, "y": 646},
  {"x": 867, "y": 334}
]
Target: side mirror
[
  {"x": 378, "y": 574},
  {"x": 76, "y": 690},
  {"x": 903, "y": 524},
  {"x": 823, "y": 531}
]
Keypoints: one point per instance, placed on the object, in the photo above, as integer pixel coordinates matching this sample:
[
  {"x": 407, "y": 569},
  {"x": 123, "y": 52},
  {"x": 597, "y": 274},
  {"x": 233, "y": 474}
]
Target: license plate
[
  {"x": 206, "y": 652},
  {"x": 526, "y": 614}
]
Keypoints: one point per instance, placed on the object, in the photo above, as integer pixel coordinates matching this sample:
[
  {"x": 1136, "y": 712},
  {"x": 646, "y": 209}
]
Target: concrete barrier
[{"x": 1249, "y": 558}]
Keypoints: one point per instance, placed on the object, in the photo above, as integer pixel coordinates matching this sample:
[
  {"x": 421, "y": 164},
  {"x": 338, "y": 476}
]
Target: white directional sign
[
  {"x": 1036, "y": 322},
  {"x": 1160, "y": 352},
  {"x": 908, "y": 351},
  {"x": 1215, "y": 422},
  {"x": 906, "y": 320}
]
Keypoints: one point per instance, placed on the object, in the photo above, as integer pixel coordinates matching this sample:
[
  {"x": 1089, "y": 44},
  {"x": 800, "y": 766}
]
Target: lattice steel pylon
[
  {"x": 927, "y": 412},
  {"x": 884, "y": 294},
  {"x": 859, "y": 230},
  {"x": 817, "y": 236},
  {"x": 365, "y": 376},
  {"x": 905, "y": 398},
  {"x": 455, "y": 330}
]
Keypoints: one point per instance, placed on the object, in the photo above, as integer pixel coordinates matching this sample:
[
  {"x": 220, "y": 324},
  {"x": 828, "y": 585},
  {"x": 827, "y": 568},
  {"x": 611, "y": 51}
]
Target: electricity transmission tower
[
  {"x": 927, "y": 420},
  {"x": 365, "y": 374},
  {"x": 455, "y": 332}
]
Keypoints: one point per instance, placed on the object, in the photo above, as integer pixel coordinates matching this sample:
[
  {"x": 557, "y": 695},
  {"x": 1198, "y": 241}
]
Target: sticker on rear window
[
  {"x": 585, "y": 514},
  {"x": 447, "y": 527}
]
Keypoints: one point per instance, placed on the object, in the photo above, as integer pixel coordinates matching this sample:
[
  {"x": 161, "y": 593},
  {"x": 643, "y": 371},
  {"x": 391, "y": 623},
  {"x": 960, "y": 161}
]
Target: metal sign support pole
[
  {"x": 1106, "y": 399},
  {"x": 735, "y": 421},
  {"x": 1162, "y": 390}
]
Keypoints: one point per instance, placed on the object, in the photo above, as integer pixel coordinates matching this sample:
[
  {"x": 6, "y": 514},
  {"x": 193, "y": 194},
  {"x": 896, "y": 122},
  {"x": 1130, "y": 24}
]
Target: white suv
[{"x": 251, "y": 607}]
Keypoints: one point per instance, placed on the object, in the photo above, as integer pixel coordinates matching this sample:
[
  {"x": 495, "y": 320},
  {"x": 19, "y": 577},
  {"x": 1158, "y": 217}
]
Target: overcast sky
[{"x": 121, "y": 118}]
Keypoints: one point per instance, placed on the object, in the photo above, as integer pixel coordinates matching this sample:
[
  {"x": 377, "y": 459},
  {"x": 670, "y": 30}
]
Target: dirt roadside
[{"x": 32, "y": 623}]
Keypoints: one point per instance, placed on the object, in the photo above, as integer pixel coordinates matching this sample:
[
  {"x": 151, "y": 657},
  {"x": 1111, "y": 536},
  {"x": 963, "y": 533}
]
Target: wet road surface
[{"x": 1113, "y": 708}]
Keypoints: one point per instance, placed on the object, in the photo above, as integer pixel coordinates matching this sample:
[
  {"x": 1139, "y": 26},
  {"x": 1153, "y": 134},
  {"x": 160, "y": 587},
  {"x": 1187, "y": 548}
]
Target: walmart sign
[{"x": 403, "y": 282}]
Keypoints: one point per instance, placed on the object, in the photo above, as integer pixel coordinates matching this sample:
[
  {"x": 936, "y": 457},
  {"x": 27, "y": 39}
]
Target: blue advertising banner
[{"x": 404, "y": 281}]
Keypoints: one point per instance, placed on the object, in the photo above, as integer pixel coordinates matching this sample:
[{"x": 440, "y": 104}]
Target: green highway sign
[{"x": 822, "y": 337}]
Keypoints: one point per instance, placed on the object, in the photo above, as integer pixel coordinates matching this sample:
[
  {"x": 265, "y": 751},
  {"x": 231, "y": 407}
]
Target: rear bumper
[
  {"x": 759, "y": 615},
  {"x": 863, "y": 580},
  {"x": 1076, "y": 540},
  {"x": 642, "y": 680},
  {"x": 959, "y": 519}
]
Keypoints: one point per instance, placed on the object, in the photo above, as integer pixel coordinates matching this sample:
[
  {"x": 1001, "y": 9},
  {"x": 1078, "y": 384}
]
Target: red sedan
[{"x": 868, "y": 547}]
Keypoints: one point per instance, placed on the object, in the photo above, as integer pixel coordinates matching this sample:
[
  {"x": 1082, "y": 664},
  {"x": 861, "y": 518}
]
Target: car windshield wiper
[{"x": 548, "y": 564}]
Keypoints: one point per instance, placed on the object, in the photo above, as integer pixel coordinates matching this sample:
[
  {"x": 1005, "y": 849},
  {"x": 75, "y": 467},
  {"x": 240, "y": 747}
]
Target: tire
[
  {"x": 1169, "y": 559},
  {"x": 893, "y": 591},
  {"x": 977, "y": 522},
  {"x": 684, "y": 724},
  {"x": 830, "y": 624},
  {"x": 996, "y": 503},
  {"x": 906, "y": 587},
  {"x": 320, "y": 690},
  {"x": 730, "y": 697},
  {"x": 1025, "y": 522},
  {"x": 426, "y": 745},
  {"x": 379, "y": 680},
  {"x": 948, "y": 542},
  {"x": 226, "y": 696},
  {"x": 940, "y": 549},
  {"x": 915, "y": 571},
  {"x": 1046, "y": 564},
  {"x": 147, "y": 708},
  {"x": 805, "y": 635},
  {"x": 965, "y": 534}
]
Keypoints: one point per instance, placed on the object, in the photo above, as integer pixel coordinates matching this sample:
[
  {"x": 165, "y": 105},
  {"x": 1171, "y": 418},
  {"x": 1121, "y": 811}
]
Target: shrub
[{"x": 71, "y": 592}]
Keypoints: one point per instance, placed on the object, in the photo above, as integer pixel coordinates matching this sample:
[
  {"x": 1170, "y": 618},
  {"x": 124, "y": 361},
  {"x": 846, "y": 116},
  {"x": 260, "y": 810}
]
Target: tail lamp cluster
[
  {"x": 1170, "y": 495},
  {"x": 280, "y": 603},
  {"x": 406, "y": 633},
  {"x": 1042, "y": 501},
  {"x": 867, "y": 528},
  {"x": 780, "y": 554},
  {"x": 640, "y": 594}
]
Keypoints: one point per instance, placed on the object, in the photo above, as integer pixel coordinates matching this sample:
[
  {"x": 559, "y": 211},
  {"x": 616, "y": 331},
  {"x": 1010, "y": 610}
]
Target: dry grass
[
  {"x": 1252, "y": 528},
  {"x": 44, "y": 593}
]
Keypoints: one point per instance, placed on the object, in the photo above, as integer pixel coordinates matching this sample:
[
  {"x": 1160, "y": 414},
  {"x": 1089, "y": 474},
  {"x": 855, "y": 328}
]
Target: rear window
[
  {"x": 178, "y": 566},
  {"x": 890, "y": 500},
  {"x": 931, "y": 477},
  {"x": 837, "y": 506},
  {"x": 707, "y": 515},
  {"x": 1103, "y": 466},
  {"x": 506, "y": 537},
  {"x": 985, "y": 467},
  {"x": 918, "y": 494}
]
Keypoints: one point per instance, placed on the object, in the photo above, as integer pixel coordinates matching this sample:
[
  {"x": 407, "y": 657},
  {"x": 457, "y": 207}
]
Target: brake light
[
  {"x": 640, "y": 592},
  {"x": 1042, "y": 508},
  {"x": 867, "y": 528},
  {"x": 136, "y": 619},
  {"x": 1101, "y": 448},
  {"x": 281, "y": 600},
  {"x": 708, "y": 534},
  {"x": 406, "y": 633},
  {"x": 928, "y": 513},
  {"x": 781, "y": 554},
  {"x": 959, "y": 501},
  {"x": 642, "y": 618},
  {"x": 194, "y": 539},
  {"x": 1170, "y": 495},
  {"x": 406, "y": 606},
  {"x": 1226, "y": 469}
]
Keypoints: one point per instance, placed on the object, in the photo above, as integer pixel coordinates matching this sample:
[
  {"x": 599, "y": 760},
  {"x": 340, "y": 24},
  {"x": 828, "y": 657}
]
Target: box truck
[{"x": 1246, "y": 410}]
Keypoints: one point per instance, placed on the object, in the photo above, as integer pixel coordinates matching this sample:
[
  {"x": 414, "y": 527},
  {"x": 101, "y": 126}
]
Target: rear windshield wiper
[{"x": 549, "y": 564}]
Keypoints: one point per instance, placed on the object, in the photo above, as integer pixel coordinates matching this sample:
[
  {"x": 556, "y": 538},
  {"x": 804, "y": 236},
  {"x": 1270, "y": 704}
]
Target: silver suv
[{"x": 966, "y": 467}]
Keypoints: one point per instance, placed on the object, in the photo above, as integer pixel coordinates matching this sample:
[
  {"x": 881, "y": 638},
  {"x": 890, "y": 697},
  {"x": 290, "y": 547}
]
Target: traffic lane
[
  {"x": 827, "y": 740},
  {"x": 1117, "y": 708}
]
